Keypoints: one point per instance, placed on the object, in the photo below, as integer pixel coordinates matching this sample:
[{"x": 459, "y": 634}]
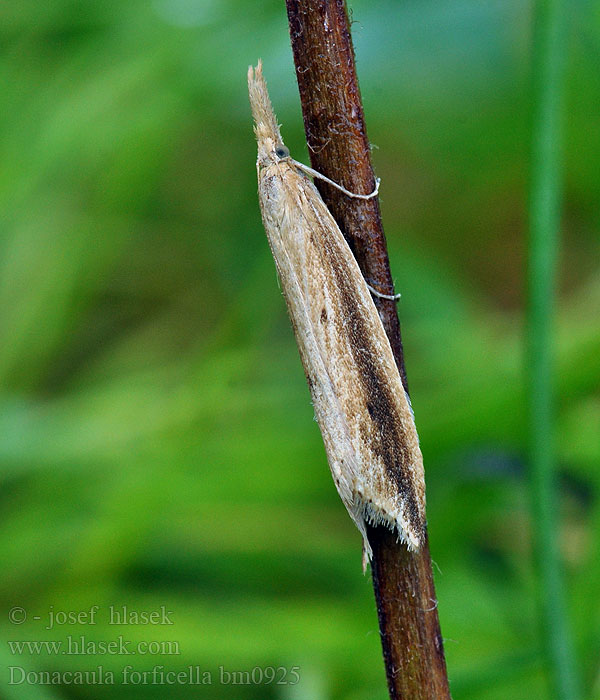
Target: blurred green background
[{"x": 157, "y": 441}]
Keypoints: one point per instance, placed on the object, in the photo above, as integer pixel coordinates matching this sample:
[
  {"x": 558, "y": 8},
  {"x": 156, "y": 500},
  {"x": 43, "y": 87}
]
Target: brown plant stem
[{"x": 338, "y": 145}]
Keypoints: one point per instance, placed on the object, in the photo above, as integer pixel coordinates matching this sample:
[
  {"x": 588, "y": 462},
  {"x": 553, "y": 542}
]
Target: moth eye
[{"x": 282, "y": 151}]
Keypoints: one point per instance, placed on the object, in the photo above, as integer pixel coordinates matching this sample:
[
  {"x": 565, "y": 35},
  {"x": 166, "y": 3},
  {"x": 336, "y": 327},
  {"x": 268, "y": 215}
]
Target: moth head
[{"x": 271, "y": 150}]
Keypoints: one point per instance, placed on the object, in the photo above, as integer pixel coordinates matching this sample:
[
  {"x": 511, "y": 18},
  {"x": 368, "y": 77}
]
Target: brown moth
[{"x": 360, "y": 404}]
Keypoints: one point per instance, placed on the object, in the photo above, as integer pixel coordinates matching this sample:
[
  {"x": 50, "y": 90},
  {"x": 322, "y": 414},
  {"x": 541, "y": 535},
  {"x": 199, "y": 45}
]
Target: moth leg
[
  {"x": 390, "y": 297},
  {"x": 314, "y": 173}
]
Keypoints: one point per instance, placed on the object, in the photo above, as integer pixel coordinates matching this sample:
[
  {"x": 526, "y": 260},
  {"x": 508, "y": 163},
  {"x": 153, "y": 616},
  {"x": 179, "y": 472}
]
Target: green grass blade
[{"x": 544, "y": 224}]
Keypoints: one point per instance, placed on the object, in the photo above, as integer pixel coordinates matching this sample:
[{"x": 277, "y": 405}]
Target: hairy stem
[{"x": 337, "y": 140}]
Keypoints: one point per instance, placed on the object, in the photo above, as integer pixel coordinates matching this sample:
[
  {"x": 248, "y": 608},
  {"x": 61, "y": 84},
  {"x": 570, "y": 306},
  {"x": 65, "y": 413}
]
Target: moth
[{"x": 364, "y": 414}]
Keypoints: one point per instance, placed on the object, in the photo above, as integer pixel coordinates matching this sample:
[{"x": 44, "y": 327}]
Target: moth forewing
[{"x": 360, "y": 404}]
